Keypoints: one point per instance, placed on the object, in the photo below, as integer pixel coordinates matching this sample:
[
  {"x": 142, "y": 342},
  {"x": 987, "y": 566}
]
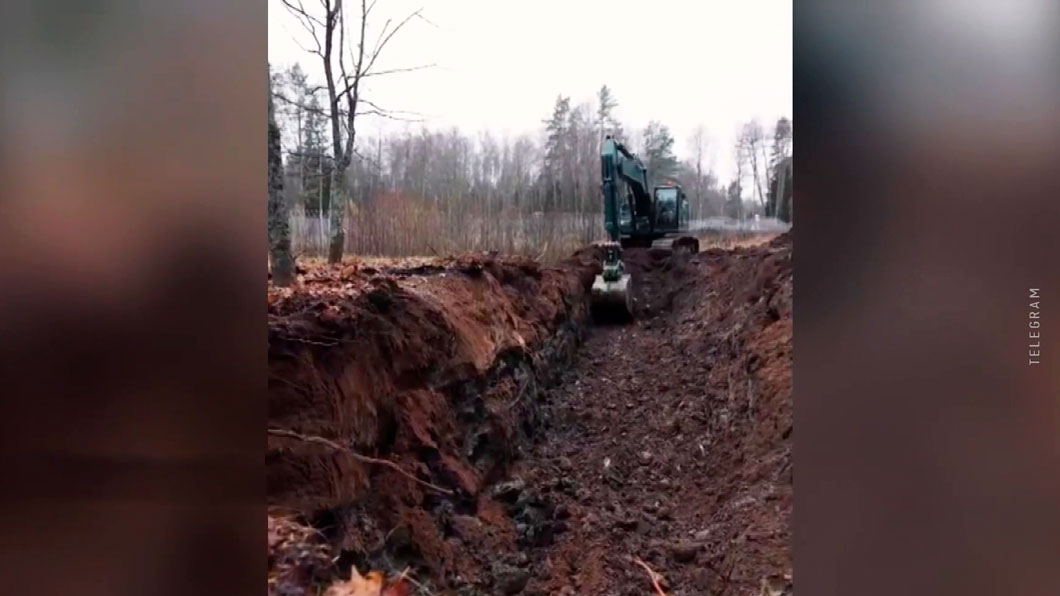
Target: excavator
[{"x": 635, "y": 215}]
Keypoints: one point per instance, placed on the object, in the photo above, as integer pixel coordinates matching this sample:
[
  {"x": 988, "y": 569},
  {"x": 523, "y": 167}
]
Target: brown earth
[{"x": 561, "y": 450}]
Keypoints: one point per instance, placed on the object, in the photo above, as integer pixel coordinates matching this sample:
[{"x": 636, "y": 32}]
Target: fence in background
[{"x": 409, "y": 231}]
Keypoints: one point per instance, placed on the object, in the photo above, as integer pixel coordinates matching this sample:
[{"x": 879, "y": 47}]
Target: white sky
[{"x": 502, "y": 62}]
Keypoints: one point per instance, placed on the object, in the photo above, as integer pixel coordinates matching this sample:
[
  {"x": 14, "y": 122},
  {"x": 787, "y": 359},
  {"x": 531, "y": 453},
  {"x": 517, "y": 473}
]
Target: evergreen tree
[
  {"x": 659, "y": 152},
  {"x": 555, "y": 149},
  {"x": 734, "y": 200},
  {"x": 605, "y": 114},
  {"x": 314, "y": 159},
  {"x": 782, "y": 137}
]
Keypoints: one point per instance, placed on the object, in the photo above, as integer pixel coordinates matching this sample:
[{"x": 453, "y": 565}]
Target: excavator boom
[
  {"x": 627, "y": 200},
  {"x": 635, "y": 214}
]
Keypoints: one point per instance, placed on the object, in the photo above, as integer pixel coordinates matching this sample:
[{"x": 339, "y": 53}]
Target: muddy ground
[{"x": 547, "y": 452}]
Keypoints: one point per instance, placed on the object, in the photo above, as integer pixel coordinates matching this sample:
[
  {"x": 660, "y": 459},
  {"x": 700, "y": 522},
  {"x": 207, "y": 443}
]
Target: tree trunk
[
  {"x": 336, "y": 209},
  {"x": 279, "y": 225},
  {"x": 321, "y": 238}
]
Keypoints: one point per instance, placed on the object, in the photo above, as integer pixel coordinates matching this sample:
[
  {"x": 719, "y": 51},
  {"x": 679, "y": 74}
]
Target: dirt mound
[
  {"x": 434, "y": 370},
  {"x": 549, "y": 469}
]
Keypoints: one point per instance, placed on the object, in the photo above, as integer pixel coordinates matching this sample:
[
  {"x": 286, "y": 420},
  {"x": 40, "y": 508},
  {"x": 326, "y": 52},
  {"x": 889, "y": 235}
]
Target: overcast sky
[{"x": 502, "y": 63}]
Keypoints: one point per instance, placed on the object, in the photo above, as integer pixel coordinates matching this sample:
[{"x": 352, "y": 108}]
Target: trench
[{"x": 568, "y": 448}]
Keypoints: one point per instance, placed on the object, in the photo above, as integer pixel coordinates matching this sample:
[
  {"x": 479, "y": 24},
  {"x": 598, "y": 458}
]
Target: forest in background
[{"x": 424, "y": 191}]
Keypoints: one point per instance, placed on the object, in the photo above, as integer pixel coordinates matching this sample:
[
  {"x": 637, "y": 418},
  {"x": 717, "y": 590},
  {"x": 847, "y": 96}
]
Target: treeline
[{"x": 465, "y": 191}]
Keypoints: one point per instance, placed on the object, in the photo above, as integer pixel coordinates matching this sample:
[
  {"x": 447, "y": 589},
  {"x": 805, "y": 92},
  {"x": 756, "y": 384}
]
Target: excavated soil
[{"x": 558, "y": 451}]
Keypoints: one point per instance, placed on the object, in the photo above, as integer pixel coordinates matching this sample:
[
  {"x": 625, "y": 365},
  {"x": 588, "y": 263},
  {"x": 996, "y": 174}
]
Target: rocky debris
[
  {"x": 776, "y": 586},
  {"x": 509, "y": 580},
  {"x": 509, "y": 492},
  {"x": 685, "y": 551}
]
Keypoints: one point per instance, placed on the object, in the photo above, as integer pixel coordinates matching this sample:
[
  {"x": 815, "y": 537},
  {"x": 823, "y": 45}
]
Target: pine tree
[
  {"x": 605, "y": 114},
  {"x": 782, "y": 137},
  {"x": 659, "y": 152},
  {"x": 556, "y": 149},
  {"x": 734, "y": 200},
  {"x": 779, "y": 165},
  {"x": 315, "y": 160}
]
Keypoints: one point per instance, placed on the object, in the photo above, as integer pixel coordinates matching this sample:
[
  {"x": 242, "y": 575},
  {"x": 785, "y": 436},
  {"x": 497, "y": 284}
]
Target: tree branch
[
  {"x": 290, "y": 434},
  {"x": 382, "y": 32},
  {"x": 389, "y": 36},
  {"x": 301, "y": 11},
  {"x": 389, "y": 111},
  {"x": 307, "y": 50},
  {"x": 280, "y": 96},
  {"x": 307, "y": 22},
  {"x": 395, "y": 70},
  {"x": 368, "y": 159},
  {"x": 352, "y": 92},
  {"x": 389, "y": 116}
]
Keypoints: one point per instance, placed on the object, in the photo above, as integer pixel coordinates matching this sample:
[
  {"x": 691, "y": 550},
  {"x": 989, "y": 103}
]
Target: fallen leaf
[
  {"x": 370, "y": 584},
  {"x": 398, "y": 587}
]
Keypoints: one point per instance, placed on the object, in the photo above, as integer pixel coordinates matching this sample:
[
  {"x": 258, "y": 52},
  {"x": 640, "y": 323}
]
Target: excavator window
[
  {"x": 623, "y": 213},
  {"x": 666, "y": 206}
]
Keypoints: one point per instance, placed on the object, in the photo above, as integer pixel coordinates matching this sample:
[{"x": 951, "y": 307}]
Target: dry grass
[
  {"x": 730, "y": 240},
  {"x": 547, "y": 253}
]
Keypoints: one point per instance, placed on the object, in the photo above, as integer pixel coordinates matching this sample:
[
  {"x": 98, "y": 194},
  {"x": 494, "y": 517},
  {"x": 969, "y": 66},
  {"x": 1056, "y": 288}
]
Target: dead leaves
[
  {"x": 358, "y": 585},
  {"x": 370, "y": 584},
  {"x": 300, "y": 563},
  {"x": 297, "y": 556}
]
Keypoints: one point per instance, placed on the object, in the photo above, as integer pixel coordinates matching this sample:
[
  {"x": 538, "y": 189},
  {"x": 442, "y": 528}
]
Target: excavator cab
[{"x": 667, "y": 210}]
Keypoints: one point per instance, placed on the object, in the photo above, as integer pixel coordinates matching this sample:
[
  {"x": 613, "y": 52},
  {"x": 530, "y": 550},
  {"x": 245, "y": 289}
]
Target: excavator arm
[
  {"x": 624, "y": 182},
  {"x": 630, "y": 218}
]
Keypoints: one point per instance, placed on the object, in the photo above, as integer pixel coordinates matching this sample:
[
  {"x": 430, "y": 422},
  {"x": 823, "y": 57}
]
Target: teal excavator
[{"x": 635, "y": 215}]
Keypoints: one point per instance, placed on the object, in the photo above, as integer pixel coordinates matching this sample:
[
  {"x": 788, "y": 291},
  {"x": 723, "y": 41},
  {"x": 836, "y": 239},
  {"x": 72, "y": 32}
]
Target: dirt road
[{"x": 566, "y": 450}]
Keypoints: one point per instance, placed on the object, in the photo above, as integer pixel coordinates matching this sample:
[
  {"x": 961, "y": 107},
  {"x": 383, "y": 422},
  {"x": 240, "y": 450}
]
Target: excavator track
[{"x": 681, "y": 243}]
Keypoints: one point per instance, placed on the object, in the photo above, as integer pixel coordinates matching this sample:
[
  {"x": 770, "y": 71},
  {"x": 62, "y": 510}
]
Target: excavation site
[{"x": 463, "y": 426}]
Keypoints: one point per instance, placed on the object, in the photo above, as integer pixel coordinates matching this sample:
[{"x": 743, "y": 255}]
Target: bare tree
[
  {"x": 697, "y": 143},
  {"x": 751, "y": 143},
  {"x": 355, "y": 62},
  {"x": 735, "y": 191},
  {"x": 278, "y": 220}
]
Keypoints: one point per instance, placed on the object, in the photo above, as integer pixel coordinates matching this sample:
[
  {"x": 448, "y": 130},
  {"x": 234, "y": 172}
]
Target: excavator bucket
[{"x": 612, "y": 301}]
